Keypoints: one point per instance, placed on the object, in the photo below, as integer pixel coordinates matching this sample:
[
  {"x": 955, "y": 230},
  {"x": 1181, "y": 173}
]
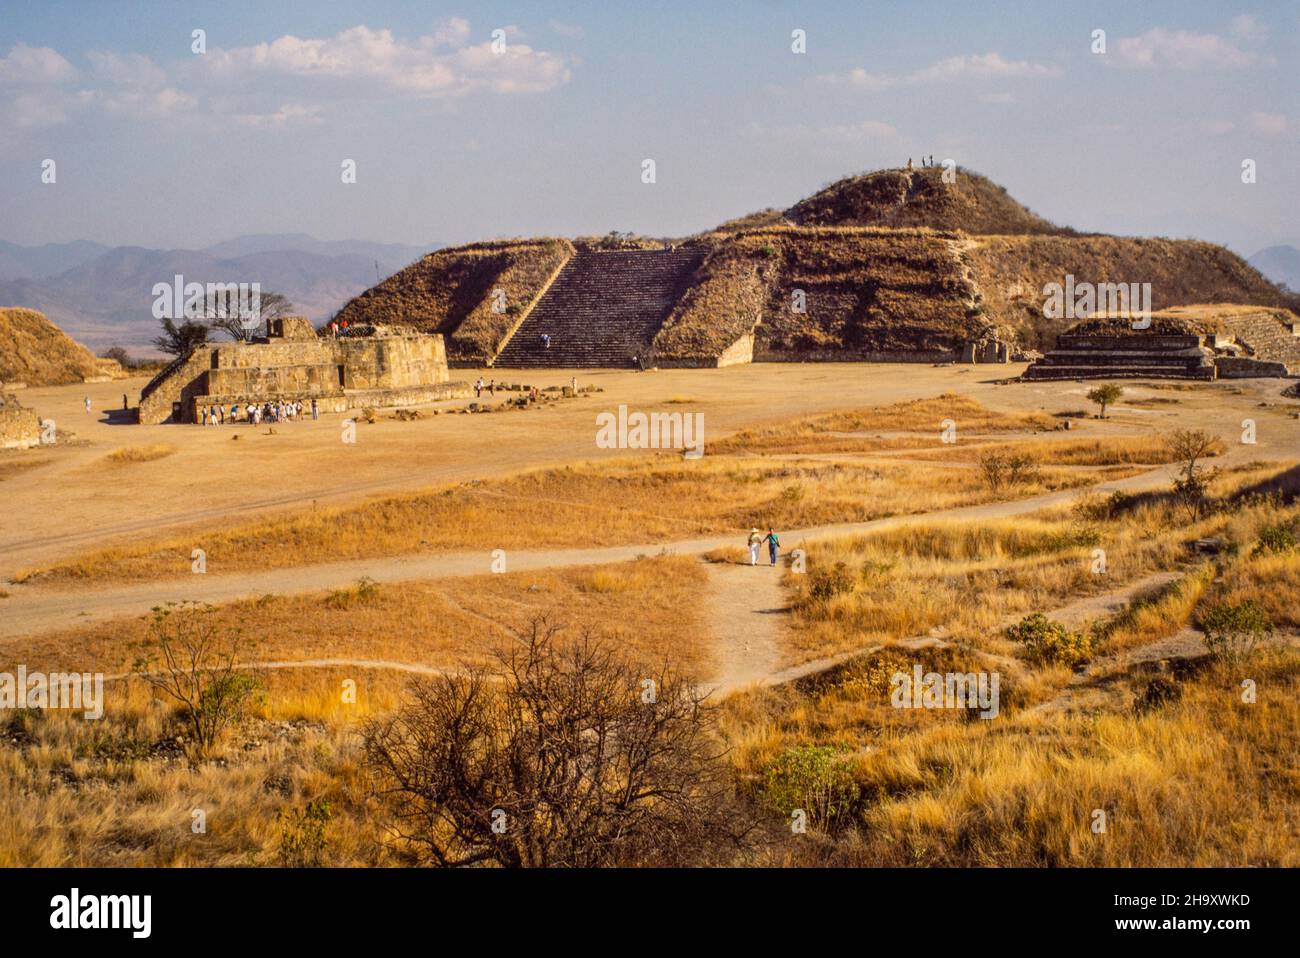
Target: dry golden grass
[
  {"x": 1099, "y": 451},
  {"x": 1204, "y": 779},
  {"x": 13, "y": 466},
  {"x": 648, "y": 606},
  {"x": 129, "y": 454},
  {"x": 834, "y": 432},
  {"x": 657, "y": 499}
]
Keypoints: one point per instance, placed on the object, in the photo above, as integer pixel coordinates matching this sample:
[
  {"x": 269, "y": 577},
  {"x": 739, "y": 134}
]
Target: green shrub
[
  {"x": 1278, "y": 537},
  {"x": 817, "y": 779},
  {"x": 1050, "y": 643},
  {"x": 1232, "y": 632},
  {"x": 825, "y": 584},
  {"x": 302, "y": 835}
]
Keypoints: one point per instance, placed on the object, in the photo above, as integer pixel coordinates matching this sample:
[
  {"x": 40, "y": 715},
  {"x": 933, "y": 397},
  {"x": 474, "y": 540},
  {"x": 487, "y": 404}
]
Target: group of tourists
[
  {"x": 491, "y": 388},
  {"x": 756, "y": 540},
  {"x": 254, "y": 414},
  {"x": 338, "y": 329}
]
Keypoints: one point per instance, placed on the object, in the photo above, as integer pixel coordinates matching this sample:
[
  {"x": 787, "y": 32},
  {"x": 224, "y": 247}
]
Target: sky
[{"x": 476, "y": 120}]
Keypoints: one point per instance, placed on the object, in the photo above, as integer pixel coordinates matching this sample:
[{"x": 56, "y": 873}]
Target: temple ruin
[
  {"x": 20, "y": 428},
  {"x": 372, "y": 366}
]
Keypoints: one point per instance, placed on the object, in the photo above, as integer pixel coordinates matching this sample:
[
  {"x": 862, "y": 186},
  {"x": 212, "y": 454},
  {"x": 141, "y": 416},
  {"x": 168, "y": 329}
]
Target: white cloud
[
  {"x": 131, "y": 69},
  {"x": 453, "y": 31},
  {"x": 963, "y": 67},
  {"x": 570, "y": 30},
  {"x": 367, "y": 62},
  {"x": 286, "y": 115},
  {"x": 1182, "y": 50},
  {"x": 1248, "y": 27},
  {"x": 1269, "y": 124},
  {"x": 35, "y": 66}
]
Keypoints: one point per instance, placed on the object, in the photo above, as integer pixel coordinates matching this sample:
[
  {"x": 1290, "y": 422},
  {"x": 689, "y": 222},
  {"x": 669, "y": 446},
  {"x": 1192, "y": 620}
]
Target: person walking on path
[
  {"x": 773, "y": 544},
  {"x": 755, "y": 540},
  {"x": 478, "y": 388},
  {"x": 87, "y": 404},
  {"x": 315, "y": 410}
]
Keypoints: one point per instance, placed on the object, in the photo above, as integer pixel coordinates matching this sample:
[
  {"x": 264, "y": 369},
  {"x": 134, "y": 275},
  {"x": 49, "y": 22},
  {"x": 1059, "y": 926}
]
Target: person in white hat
[{"x": 755, "y": 541}]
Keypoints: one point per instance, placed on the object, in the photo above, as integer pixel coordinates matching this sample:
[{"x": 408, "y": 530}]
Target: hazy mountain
[
  {"x": 1281, "y": 264},
  {"x": 390, "y": 256},
  {"x": 107, "y": 298},
  {"x": 38, "y": 262}
]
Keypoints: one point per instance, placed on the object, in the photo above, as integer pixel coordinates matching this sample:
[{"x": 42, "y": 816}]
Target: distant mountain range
[
  {"x": 103, "y": 296},
  {"x": 1281, "y": 264}
]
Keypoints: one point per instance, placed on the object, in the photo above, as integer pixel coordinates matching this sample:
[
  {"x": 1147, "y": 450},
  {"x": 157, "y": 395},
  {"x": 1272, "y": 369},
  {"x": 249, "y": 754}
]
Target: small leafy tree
[
  {"x": 1104, "y": 395},
  {"x": 1233, "y": 632},
  {"x": 816, "y": 779},
  {"x": 1187, "y": 447},
  {"x": 1001, "y": 469},
  {"x": 190, "y": 658},
  {"x": 180, "y": 340}
]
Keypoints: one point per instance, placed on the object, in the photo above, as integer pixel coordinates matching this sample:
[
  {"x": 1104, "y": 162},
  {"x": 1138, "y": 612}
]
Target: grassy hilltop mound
[
  {"x": 890, "y": 265},
  {"x": 36, "y": 352},
  {"x": 453, "y": 292},
  {"x": 1012, "y": 270},
  {"x": 904, "y": 198}
]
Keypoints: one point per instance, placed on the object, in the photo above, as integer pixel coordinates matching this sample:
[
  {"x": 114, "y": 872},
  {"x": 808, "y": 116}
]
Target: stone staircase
[
  {"x": 1267, "y": 337},
  {"x": 1124, "y": 357},
  {"x": 602, "y": 310}
]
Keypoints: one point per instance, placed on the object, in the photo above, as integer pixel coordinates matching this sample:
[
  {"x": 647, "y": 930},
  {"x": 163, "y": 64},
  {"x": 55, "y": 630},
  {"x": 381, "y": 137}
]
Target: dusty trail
[
  {"x": 746, "y": 606},
  {"x": 42, "y": 608}
]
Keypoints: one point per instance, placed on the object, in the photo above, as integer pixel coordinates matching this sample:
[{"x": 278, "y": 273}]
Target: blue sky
[{"x": 158, "y": 146}]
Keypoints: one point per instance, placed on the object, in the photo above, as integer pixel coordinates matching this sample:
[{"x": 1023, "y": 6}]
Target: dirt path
[
  {"x": 747, "y": 609},
  {"x": 30, "y": 609}
]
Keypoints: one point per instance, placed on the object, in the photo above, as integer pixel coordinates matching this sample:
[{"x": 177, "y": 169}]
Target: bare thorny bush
[
  {"x": 568, "y": 755},
  {"x": 193, "y": 660}
]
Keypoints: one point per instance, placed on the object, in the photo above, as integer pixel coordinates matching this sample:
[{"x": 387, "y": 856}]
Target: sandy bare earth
[{"x": 74, "y": 499}]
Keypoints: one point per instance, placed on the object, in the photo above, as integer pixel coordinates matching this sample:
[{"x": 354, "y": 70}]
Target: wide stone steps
[{"x": 603, "y": 309}]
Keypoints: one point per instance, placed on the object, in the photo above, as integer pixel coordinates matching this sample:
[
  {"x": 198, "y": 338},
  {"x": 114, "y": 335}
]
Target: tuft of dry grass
[{"x": 130, "y": 454}]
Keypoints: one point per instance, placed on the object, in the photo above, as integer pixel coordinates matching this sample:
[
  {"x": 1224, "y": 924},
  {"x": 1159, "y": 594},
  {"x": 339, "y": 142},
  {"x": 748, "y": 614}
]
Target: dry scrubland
[
  {"x": 656, "y": 498},
  {"x": 1186, "y": 772}
]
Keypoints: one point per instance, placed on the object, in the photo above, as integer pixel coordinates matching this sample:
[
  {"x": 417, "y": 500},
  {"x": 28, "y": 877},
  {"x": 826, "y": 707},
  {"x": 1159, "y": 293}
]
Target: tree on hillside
[
  {"x": 180, "y": 340},
  {"x": 565, "y": 755},
  {"x": 119, "y": 355},
  {"x": 226, "y": 317},
  {"x": 1188, "y": 447},
  {"x": 1104, "y": 395}
]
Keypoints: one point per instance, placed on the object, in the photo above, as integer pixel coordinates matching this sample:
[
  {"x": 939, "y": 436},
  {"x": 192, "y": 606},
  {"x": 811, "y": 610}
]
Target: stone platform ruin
[
  {"x": 20, "y": 428},
  {"x": 1124, "y": 356},
  {"x": 372, "y": 366}
]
